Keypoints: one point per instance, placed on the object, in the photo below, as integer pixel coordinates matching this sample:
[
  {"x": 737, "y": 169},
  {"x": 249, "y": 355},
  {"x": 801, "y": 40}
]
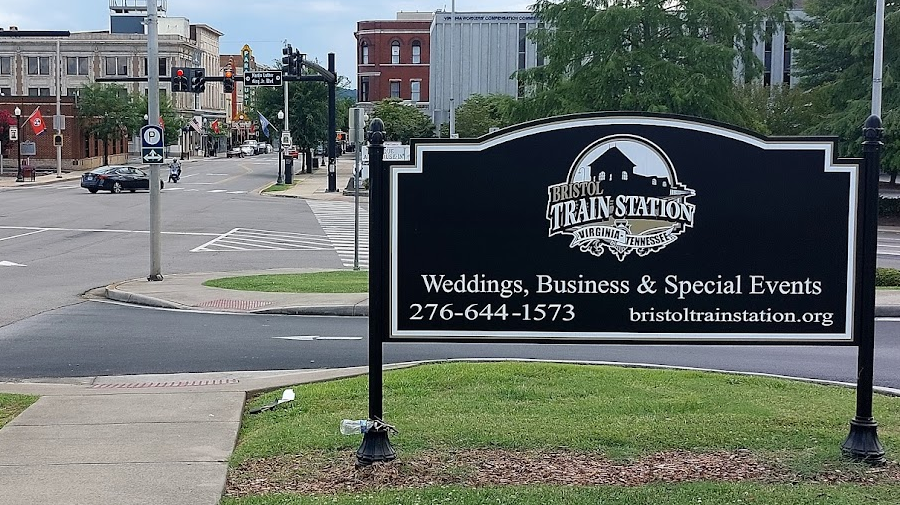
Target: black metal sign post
[
  {"x": 862, "y": 442},
  {"x": 625, "y": 228},
  {"x": 376, "y": 446}
]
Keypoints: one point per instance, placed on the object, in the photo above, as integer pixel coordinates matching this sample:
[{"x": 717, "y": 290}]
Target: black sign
[
  {"x": 603, "y": 228},
  {"x": 264, "y": 78}
]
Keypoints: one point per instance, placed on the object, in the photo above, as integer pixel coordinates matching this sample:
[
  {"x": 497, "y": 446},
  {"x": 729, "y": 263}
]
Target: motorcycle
[{"x": 174, "y": 172}]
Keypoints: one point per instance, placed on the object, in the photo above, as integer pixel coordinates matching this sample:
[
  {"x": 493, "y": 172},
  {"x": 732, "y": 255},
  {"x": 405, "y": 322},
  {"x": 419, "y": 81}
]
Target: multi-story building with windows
[
  {"x": 478, "y": 52},
  {"x": 393, "y": 59},
  {"x": 31, "y": 67}
]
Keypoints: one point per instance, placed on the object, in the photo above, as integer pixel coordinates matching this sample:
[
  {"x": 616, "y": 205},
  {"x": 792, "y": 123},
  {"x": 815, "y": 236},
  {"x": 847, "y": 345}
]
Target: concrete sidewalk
[{"x": 152, "y": 439}]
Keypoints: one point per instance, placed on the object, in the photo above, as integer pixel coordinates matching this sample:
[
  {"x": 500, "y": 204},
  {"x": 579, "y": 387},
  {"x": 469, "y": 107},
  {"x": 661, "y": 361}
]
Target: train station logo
[{"x": 621, "y": 195}]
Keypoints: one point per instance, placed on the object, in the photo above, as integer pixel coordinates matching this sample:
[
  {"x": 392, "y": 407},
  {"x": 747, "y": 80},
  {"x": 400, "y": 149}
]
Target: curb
[
  {"x": 887, "y": 311},
  {"x": 359, "y": 309},
  {"x": 121, "y": 296}
]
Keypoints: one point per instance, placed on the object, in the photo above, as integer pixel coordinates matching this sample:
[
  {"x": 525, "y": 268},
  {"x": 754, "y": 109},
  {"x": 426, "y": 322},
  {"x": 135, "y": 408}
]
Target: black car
[{"x": 115, "y": 179}]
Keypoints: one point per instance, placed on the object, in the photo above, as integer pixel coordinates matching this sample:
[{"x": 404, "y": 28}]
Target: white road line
[
  {"x": 107, "y": 230},
  {"x": 217, "y": 174},
  {"x": 223, "y": 235},
  {"x": 316, "y": 337},
  {"x": 10, "y": 264},
  {"x": 23, "y": 234},
  {"x": 217, "y": 191},
  {"x": 235, "y": 192}
]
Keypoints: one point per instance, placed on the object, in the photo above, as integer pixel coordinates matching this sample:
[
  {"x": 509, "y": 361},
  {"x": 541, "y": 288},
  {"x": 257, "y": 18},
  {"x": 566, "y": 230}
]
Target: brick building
[
  {"x": 80, "y": 151},
  {"x": 393, "y": 59}
]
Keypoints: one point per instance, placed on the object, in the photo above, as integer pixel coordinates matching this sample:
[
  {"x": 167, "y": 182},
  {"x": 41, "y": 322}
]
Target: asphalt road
[
  {"x": 69, "y": 241},
  {"x": 96, "y": 338}
]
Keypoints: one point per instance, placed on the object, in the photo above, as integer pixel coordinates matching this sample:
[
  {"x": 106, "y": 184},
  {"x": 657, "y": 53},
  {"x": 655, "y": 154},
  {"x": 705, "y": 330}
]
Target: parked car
[
  {"x": 264, "y": 148},
  {"x": 115, "y": 179},
  {"x": 235, "y": 152},
  {"x": 293, "y": 152},
  {"x": 248, "y": 150}
]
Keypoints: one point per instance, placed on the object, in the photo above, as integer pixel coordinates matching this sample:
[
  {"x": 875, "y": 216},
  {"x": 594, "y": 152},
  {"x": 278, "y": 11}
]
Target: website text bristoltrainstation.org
[{"x": 686, "y": 315}]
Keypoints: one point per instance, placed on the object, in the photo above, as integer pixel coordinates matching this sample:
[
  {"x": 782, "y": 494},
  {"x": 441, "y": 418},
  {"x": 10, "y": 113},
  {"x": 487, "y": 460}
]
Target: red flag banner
[
  {"x": 215, "y": 126},
  {"x": 36, "y": 120}
]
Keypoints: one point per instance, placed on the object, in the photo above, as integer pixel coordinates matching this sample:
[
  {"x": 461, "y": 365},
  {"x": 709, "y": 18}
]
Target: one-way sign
[{"x": 264, "y": 78}]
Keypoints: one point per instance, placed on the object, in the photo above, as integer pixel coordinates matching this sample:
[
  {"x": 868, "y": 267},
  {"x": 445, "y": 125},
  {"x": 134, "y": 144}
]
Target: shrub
[
  {"x": 887, "y": 277},
  {"x": 888, "y": 207}
]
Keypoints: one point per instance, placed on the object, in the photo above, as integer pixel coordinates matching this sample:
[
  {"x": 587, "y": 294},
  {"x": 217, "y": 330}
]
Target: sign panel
[
  {"x": 29, "y": 148},
  {"x": 605, "y": 228},
  {"x": 13, "y": 133},
  {"x": 263, "y": 78},
  {"x": 153, "y": 155}
]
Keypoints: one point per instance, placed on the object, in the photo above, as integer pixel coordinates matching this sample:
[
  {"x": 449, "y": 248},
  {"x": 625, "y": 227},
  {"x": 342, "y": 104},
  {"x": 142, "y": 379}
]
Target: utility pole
[
  {"x": 153, "y": 120},
  {"x": 452, "y": 75},
  {"x": 332, "y": 128},
  {"x": 58, "y": 119},
  {"x": 879, "y": 58}
]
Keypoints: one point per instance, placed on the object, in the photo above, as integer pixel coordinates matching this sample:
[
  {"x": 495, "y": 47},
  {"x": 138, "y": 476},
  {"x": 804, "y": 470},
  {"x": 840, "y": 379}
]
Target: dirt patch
[{"x": 319, "y": 474}]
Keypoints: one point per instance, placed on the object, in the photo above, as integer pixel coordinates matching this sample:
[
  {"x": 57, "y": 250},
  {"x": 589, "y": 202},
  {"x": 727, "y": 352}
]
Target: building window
[
  {"x": 415, "y": 93},
  {"x": 395, "y": 89},
  {"x": 624, "y": 175},
  {"x": 417, "y": 52},
  {"x": 395, "y": 52},
  {"x": 5, "y": 92},
  {"x": 767, "y": 59},
  {"x": 364, "y": 57},
  {"x": 363, "y": 89},
  {"x": 72, "y": 91},
  {"x": 5, "y": 65},
  {"x": 788, "y": 28},
  {"x": 77, "y": 65},
  {"x": 520, "y": 92},
  {"x": 38, "y": 91},
  {"x": 541, "y": 60},
  {"x": 116, "y": 65},
  {"x": 162, "y": 67},
  {"x": 601, "y": 177},
  {"x": 38, "y": 65}
]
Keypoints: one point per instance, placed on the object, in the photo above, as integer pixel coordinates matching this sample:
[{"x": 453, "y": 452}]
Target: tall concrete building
[{"x": 485, "y": 49}]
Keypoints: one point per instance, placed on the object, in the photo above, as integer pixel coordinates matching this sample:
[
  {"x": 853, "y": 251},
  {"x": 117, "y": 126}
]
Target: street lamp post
[
  {"x": 280, "y": 148},
  {"x": 18, "y": 113}
]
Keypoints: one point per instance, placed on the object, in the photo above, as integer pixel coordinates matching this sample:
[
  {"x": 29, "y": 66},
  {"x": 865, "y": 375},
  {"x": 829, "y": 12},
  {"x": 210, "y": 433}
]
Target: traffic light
[
  {"x": 179, "y": 79},
  {"x": 297, "y": 61},
  {"x": 287, "y": 61},
  {"x": 198, "y": 80},
  {"x": 228, "y": 81}
]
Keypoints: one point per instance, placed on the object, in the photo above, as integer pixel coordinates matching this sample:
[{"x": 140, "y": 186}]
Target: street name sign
[
  {"x": 263, "y": 78},
  {"x": 152, "y": 149},
  {"x": 624, "y": 229}
]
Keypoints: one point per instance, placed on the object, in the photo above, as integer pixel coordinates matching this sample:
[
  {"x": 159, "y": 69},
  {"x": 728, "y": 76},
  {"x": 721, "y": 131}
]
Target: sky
[{"x": 315, "y": 27}]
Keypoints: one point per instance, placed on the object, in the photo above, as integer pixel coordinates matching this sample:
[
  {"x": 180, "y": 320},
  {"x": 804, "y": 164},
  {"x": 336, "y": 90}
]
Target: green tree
[
  {"x": 643, "y": 55},
  {"x": 402, "y": 122},
  {"x": 479, "y": 113},
  {"x": 108, "y": 112},
  {"x": 781, "y": 109},
  {"x": 835, "y": 54},
  {"x": 172, "y": 120}
]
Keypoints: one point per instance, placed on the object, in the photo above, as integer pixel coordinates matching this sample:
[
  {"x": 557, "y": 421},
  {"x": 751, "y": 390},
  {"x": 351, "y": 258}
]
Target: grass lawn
[
  {"x": 13, "y": 405},
  {"x": 338, "y": 281},
  {"x": 553, "y": 433},
  {"x": 278, "y": 187}
]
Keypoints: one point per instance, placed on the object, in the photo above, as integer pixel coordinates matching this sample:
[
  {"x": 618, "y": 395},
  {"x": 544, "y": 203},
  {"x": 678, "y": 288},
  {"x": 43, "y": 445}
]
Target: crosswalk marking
[
  {"x": 245, "y": 239},
  {"x": 337, "y": 221}
]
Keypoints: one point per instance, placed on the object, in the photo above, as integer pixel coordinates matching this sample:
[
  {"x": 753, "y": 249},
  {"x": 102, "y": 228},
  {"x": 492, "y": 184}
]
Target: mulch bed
[{"x": 321, "y": 474}]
